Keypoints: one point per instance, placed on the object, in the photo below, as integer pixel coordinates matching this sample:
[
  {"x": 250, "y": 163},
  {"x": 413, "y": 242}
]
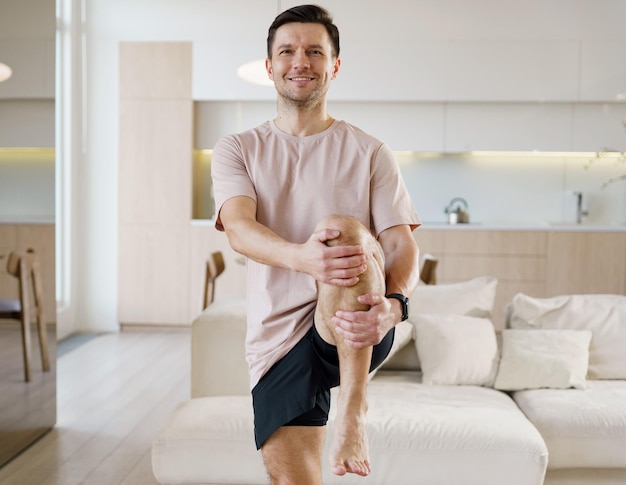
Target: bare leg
[
  {"x": 293, "y": 455},
  {"x": 350, "y": 452}
]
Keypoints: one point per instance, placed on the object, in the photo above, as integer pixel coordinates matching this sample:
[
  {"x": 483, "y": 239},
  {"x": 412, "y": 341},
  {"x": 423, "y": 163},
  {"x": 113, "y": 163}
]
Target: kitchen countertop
[
  {"x": 498, "y": 226},
  {"x": 27, "y": 220},
  {"x": 528, "y": 226}
]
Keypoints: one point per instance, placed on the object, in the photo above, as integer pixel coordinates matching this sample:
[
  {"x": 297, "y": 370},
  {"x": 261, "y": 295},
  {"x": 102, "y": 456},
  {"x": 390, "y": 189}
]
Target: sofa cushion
[
  {"x": 456, "y": 349},
  {"x": 417, "y": 434},
  {"x": 534, "y": 359},
  {"x": 604, "y": 315},
  {"x": 474, "y": 297},
  {"x": 583, "y": 428}
]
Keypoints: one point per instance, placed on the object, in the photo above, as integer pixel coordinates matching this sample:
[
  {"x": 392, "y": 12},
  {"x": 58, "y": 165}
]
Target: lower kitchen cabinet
[
  {"x": 41, "y": 238},
  {"x": 586, "y": 262}
]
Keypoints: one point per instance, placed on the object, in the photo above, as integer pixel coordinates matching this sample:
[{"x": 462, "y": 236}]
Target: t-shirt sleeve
[
  {"x": 229, "y": 174},
  {"x": 390, "y": 199}
]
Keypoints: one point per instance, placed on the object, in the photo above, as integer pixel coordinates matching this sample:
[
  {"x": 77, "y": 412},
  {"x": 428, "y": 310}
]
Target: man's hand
[
  {"x": 335, "y": 265},
  {"x": 366, "y": 328}
]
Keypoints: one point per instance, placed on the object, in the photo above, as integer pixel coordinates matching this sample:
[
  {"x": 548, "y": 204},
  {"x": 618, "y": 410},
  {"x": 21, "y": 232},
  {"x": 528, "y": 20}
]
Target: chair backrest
[
  {"x": 215, "y": 266},
  {"x": 25, "y": 267},
  {"x": 428, "y": 272}
]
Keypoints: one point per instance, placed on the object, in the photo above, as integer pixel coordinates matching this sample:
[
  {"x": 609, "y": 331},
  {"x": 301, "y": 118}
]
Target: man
[{"x": 321, "y": 212}]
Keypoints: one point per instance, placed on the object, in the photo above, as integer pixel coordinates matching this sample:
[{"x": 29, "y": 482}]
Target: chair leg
[
  {"x": 26, "y": 344},
  {"x": 43, "y": 342}
]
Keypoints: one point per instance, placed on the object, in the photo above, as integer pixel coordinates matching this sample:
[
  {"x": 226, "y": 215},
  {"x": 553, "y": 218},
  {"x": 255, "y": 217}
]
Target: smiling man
[{"x": 321, "y": 211}]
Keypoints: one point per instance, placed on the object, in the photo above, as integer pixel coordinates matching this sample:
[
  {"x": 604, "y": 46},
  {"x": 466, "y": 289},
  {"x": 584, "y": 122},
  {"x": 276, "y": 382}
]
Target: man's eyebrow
[
  {"x": 282, "y": 46},
  {"x": 288, "y": 45}
]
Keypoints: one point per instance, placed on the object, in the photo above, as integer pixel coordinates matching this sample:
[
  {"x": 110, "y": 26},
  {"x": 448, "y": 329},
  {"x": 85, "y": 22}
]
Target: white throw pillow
[
  {"x": 456, "y": 349},
  {"x": 403, "y": 335},
  {"x": 535, "y": 359},
  {"x": 604, "y": 315},
  {"x": 474, "y": 297}
]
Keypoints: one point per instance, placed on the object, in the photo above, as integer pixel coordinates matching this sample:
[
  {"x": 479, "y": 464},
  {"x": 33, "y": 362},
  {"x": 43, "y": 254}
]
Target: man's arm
[
  {"x": 339, "y": 265},
  {"x": 401, "y": 263}
]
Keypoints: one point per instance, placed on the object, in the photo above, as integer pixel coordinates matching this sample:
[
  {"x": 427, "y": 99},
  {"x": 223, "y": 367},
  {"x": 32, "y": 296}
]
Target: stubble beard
[{"x": 313, "y": 99}]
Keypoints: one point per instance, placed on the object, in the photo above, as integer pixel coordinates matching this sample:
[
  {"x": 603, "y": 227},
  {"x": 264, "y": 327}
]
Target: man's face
[{"x": 302, "y": 63}]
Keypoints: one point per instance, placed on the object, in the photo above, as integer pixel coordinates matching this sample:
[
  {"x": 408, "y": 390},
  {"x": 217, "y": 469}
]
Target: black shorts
[{"x": 296, "y": 390}]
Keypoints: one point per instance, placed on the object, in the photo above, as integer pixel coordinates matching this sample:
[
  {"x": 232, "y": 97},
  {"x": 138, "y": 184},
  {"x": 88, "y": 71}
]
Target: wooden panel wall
[{"x": 155, "y": 182}]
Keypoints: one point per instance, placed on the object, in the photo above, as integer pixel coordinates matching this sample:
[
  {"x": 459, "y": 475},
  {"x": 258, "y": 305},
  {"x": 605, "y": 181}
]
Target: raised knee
[{"x": 351, "y": 229}]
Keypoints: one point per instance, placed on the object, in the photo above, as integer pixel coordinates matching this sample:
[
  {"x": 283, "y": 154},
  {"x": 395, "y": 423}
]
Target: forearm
[
  {"x": 401, "y": 264},
  {"x": 258, "y": 242}
]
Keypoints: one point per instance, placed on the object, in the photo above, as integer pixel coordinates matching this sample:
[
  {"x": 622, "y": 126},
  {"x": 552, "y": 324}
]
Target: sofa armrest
[{"x": 218, "y": 363}]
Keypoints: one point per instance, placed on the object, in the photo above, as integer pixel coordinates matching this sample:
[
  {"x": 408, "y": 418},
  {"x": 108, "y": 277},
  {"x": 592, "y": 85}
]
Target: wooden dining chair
[
  {"x": 214, "y": 267},
  {"x": 428, "y": 271},
  {"x": 25, "y": 267}
]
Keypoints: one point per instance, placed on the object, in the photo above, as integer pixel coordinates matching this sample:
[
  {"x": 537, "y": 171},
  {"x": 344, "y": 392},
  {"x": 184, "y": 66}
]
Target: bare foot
[{"x": 349, "y": 452}]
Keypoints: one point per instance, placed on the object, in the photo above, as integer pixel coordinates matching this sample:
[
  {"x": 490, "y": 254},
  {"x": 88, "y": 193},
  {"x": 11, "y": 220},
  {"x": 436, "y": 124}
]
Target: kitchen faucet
[{"x": 580, "y": 213}]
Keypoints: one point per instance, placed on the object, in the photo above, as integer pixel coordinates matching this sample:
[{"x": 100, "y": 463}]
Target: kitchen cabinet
[
  {"x": 403, "y": 126},
  {"x": 512, "y": 70},
  {"x": 32, "y": 61},
  {"x": 599, "y": 126},
  {"x": 508, "y": 127},
  {"x": 602, "y": 73},
  {"x": 586, "y": 262},
  {"x": 445, "y": 127},
  {"x": 155, "y": 182},
  {"x": 41, "y": 238}
]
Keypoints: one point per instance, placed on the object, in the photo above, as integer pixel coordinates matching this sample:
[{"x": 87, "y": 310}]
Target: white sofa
[{"x": 434, "y": 415}]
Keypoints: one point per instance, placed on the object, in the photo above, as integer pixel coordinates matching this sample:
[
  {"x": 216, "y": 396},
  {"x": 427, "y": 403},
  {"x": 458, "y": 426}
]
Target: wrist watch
[{"x": 404, "y": 301}]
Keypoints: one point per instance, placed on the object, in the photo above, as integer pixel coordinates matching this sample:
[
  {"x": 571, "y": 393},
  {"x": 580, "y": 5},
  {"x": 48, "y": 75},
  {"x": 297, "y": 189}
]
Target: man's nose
[{"x": 301, "y": 59}]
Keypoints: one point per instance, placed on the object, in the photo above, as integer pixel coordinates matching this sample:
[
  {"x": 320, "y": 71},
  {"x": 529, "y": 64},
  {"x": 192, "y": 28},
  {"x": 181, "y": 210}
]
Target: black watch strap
[{"x": 404, "y": 301}]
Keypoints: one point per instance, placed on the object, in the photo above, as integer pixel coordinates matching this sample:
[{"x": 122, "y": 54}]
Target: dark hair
[{"x": 306, "y": 14}]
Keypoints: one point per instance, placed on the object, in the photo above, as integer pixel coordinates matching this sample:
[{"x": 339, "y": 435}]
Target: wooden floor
[{"x": 113, "y": 394}]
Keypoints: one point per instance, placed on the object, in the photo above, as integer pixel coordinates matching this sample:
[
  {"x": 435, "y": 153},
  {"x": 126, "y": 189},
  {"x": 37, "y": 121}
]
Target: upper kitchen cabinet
[
  {"x": 506, "y": 70},
  {"x": 214, "y": 119},
  {"x": 392, "y": 69},
  {"x": 502, "y": 126},
  {"x": 27, "y": 123},
  {"x": 402, "y": 126},
  {"x": 27, "y": 45},
  {"x": 599, "y": 126},
  {"x": 32, "y": 63},
  {"x": 602, "y": 71}
]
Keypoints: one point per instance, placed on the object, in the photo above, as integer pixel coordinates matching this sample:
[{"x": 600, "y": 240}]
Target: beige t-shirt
[{"x": 296, "y": 181}]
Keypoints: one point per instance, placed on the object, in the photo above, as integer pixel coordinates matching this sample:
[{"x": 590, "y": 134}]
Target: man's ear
[
  {"x": 336, "y": 68},
  {"x": 268, "y": 68}
]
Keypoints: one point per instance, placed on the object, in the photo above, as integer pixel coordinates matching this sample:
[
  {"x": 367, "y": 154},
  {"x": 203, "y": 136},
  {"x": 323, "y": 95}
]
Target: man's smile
[{"x": 300, "y": 78}]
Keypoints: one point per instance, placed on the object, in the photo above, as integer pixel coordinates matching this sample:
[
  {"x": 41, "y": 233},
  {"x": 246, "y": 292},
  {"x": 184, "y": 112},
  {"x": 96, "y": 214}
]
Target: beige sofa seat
[{"x": 583, "y": 428}]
